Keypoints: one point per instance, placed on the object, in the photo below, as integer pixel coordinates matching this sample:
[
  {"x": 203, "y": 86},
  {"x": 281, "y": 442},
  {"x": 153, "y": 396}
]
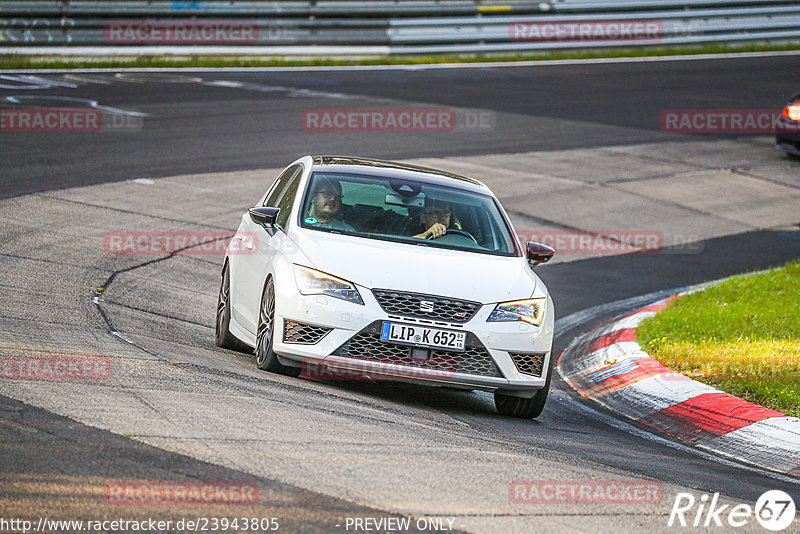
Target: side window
[
  {"x": 280, "y": 184},
  {"x": 286, "y": 201}
]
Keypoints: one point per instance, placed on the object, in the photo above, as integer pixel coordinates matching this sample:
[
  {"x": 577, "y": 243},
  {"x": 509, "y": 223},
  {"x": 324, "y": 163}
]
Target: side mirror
[
  {"x": 264, "y": 216},
  {"x": 538, "y": 253}
]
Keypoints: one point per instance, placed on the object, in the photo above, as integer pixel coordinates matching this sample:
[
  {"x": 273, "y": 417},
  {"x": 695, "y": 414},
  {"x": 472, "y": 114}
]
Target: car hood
[{"x": 387, "y": 265}]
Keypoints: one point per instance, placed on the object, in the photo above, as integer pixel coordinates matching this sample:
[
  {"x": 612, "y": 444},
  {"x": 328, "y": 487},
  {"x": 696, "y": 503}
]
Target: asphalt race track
[
  {"x": 177, "y": 408},
  {"x": 202, "y": 122}
]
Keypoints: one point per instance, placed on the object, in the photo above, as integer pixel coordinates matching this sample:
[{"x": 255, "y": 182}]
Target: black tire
[
  {"x": 266, "y": 359},
  {"x": 223, "y": 336},
  {"x": 530, "y": 408}
]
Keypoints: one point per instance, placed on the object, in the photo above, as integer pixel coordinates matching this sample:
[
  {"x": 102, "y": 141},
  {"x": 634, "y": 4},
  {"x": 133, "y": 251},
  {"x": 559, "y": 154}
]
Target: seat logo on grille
[{"x": 426, "y": 306}]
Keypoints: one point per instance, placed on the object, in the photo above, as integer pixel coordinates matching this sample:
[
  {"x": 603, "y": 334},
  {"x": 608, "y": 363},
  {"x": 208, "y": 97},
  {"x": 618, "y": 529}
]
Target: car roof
[{"x": 393, "y": 169}]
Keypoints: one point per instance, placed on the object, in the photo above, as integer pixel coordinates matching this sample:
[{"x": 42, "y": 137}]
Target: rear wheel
[
  {"x": 223, "y": 336},
  {"x": 266, "y": 359}
]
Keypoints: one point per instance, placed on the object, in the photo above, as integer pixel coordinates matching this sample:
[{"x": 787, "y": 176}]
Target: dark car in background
[{"x": 787, "y": 136}]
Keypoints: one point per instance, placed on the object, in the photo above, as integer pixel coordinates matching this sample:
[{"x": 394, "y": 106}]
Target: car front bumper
[
  {"x": 336, "y": 339},
  {"x": 788, "y": 142},
  {"x": 787, "y": 136}
]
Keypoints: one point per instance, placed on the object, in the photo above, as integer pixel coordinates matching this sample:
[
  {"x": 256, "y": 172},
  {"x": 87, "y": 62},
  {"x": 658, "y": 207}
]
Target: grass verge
[
  {"x": 741, "y": 336},
  {"x": 23, "y": 62}
]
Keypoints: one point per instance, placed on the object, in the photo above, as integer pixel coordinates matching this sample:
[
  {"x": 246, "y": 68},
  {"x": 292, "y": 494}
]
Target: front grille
[
  {"x": 408, "y": 304},
  {"x": 367, "y": 345},
  {"x": 304, "y": 334},
  {"x": 530, "y": 364}
]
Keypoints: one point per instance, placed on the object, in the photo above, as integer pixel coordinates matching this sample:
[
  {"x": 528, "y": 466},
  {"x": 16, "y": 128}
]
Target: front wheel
[
  {"x": 529, "y": 408},
  {"x": 266, "y": 359}
]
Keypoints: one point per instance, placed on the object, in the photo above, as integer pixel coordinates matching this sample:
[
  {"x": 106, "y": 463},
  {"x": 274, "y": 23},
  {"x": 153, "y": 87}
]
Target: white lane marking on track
[
  {"x": 32, "y": 83},
  {"x": 100, "y": 80},
  {"x": 36, "y": 100},
  {"x": 35, "y": 82},
  {"x": 291, "y": 92},
  {"x": 482, "y": 65},
  {"x": 159, "y": 76}
]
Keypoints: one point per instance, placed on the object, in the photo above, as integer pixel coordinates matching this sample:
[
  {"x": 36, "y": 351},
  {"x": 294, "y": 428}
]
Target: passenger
[
  {"x": 326, "y": 202},
  {"x": 435, "y": 219}
]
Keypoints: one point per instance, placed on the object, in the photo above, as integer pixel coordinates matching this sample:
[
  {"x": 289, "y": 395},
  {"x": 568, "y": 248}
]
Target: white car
[{"x": 360, "y": 268}]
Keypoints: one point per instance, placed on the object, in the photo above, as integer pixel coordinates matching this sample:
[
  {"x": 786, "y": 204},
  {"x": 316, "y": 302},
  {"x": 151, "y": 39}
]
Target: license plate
[{"x": 423, "y": 336}]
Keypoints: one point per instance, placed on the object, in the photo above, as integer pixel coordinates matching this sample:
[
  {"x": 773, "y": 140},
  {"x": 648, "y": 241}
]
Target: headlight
[
  {"x": 530, "y": 310},
  {"x": 313, "y": 282},
  {"x": 792, "y": 111}
]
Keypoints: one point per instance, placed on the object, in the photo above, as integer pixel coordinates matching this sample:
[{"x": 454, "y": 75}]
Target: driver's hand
[{"x": 437, "y": 230}]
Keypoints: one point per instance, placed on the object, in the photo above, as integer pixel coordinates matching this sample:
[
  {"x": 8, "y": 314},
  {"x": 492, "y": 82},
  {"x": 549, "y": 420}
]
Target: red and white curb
[{"x": 609, "y": 366}]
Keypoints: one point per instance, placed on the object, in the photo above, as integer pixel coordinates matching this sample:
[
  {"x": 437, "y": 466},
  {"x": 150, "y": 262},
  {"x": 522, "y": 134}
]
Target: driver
[
  {"x": 326, "y": 202},
  {"x": 435, "y": 219}
]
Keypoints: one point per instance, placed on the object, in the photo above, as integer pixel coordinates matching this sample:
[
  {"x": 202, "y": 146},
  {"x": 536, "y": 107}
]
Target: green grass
[
  {"x": 741, "y": 336},
  {"x": 15, "y": 61}
]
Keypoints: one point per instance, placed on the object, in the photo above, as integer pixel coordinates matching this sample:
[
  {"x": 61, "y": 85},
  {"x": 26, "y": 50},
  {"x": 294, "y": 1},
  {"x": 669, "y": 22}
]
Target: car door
[
  {"x": 249, "y": 264},
  {"x": 254, "y": 266}
]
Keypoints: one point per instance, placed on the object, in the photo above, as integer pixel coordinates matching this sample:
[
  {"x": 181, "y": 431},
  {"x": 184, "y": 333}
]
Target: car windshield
[{"x": 405, "y": 211}]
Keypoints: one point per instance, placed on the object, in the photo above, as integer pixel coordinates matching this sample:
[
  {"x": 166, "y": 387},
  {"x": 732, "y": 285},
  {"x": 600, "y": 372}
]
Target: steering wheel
[{"x": 455, "y": 232}]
